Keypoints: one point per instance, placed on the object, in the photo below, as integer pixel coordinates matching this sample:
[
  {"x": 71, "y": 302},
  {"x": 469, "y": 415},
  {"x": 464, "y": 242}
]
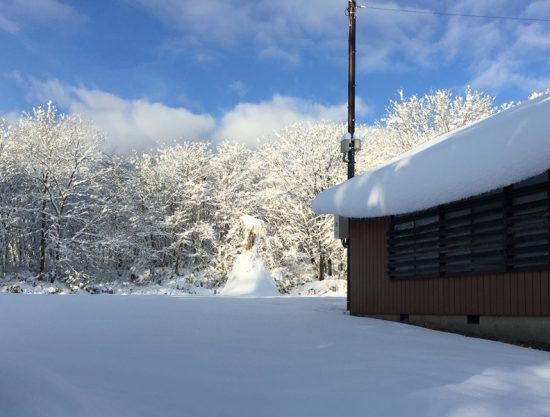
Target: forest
[{"x": 71, "y": 213}]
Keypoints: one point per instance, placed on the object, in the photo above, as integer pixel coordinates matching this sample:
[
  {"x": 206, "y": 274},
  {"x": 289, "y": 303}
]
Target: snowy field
[{"x": 213, "y": 356}]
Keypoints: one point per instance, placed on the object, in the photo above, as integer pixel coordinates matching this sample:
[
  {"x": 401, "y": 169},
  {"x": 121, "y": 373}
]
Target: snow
[
  {"x": 500, "y": 150},
  {"x": 116, "y": 356},
  {"x": 250, "y": 277},
  {"x": 27, "y": 284},
  {"x": 331, "y": 287},
  {"x": 252, "y": 223}
]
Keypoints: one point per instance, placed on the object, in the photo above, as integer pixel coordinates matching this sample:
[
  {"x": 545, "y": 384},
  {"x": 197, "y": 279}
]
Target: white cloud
[
  {"x": 15, "y": 13},
  {"x": 510, "y": 54},
  {"x": 10, "y": 117},
  {"x": 128, "y": 124},
  {"x": 8, "y": 25},
  {"x": 142, "y": 125},
  {"x": 538, "y": 9},
  {"x": 276, "y": 29},
  {"x": 390, "y": 40},
  {"x": 238, "y": 87},
  {"x": 497, "y": 54},
  {"x": 249, "y": 122},
  {"x": 505, "y": 71},
  {"x": 287, "y": 31}
]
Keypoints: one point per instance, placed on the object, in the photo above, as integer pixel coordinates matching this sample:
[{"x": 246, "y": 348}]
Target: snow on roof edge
[{"x": 500, "y": 150}]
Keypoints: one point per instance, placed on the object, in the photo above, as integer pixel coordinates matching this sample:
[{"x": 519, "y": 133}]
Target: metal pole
[
  {"x": 352, "y": 9},
  {"x": 351, "y": 12}
]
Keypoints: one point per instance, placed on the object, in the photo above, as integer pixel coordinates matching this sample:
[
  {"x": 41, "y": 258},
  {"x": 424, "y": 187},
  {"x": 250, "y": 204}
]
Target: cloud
[
  {"x": 286, "y": 30},
  {"x": 289, "y": 31},
  {"x": 249, "y": 122},
  {"x": 275, "y": 29},
  {"x": 8, "y": 25},
  {"x": 17, "y": 13},
  {"x": 496, "y": 54},
  {"x": 128, "y": 124},
  {"x": 501, "y": 54},
  {"x": 10, "y": 117},
  {"x": 238, "y": 87},
  {"x": 142, "y": 125}
]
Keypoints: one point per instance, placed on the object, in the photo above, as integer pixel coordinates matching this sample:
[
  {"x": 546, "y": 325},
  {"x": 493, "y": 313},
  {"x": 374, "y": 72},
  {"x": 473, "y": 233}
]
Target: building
[{"x": 455, "y": 235}]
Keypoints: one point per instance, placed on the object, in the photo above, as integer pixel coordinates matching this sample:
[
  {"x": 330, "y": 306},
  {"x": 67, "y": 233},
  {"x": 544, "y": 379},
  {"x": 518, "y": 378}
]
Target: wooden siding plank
[
  {"x": 529, "y": 294},
  {"x": 537, "y": 307},
  {"x": 422, "y": 296},
  {"x": 374, "y": 270},
  {"x": 358, "y": 277},
  {"x": 545, "y": 293},
  {"x": 491, "y": 294},
  {"x": 465, "y": 294},
  {"x": 437, "y": 296},
  {"x": 450, "y": 287},
  {"x": 408, "y": 297},
  {"x": 482, "y": 297},
  {"x": 445, "y": 308},
  {"x": 376, "y": 278},
  {"x": 514, "y": 297},
  {"x": 403, "y": 298},
  {"x": 361, "y": 272},
  {"x": 510, "y": 292},
  {"x": 521, "y": 293},
  {"x": 390, "y": 293},
  {"x": 368, "y": 271},
  {"x": 470, "y": 309},
  {"x": 364, "y": 266},
  {"x": 458, "y": 295},
  {"x": 443, "y": 294},
  {"x": 499, "y": 295},
  {"x": 479, "y": 296}
]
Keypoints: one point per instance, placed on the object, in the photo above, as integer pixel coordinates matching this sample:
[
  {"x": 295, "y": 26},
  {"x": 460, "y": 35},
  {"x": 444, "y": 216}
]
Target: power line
[{"x": 433, "y": 12}]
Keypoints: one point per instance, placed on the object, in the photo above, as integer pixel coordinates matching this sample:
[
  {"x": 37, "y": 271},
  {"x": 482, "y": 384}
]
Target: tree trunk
[
  {"x": 43, "y": 239},
  {"x": 321, "y": 267}
]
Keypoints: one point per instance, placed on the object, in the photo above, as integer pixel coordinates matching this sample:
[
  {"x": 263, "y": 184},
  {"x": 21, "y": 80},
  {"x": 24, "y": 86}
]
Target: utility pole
[{"x": 351, "y": 12}]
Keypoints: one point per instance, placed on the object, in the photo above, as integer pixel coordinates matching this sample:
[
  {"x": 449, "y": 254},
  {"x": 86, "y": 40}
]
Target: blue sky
[{"x": 148, "y": 71}]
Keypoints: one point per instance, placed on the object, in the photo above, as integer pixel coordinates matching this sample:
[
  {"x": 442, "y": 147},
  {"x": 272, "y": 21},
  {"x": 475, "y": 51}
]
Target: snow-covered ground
[
  {"x": 26, "y": 284},
  {"x": 254, "y": 280},
  {"x": 330, "y": 287},
  {"x": 282, "y": 356}
]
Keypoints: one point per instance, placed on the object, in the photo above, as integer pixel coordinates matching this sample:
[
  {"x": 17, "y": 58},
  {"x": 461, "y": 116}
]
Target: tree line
[{"x": 71, "y": 212}]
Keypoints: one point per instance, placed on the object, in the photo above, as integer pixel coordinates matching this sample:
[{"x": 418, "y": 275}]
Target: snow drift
[
  {"x": 495, "y": 152},
  {"x": 250, "y": 277}
]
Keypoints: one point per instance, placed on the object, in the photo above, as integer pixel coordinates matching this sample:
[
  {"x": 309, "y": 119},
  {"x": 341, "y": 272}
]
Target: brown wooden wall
[{"x": 372, "y": 292}]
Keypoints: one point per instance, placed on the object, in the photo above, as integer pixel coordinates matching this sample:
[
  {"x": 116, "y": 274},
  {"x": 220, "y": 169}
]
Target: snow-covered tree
[
  {"x": 59, "y": 162},
  {"x": 302, "y": 162},
  {"x": 236, "y": 183},
  {"x": 411, "y": 121},
  {"x": 170, "y": 194}
]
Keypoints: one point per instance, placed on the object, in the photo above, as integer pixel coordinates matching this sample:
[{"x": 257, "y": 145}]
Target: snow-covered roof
[{"x": 495, "y": 152}]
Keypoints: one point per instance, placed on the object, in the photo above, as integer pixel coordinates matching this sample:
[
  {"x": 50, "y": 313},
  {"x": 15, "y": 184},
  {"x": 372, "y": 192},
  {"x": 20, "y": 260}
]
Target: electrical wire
[{"x": 432, "y": 12}]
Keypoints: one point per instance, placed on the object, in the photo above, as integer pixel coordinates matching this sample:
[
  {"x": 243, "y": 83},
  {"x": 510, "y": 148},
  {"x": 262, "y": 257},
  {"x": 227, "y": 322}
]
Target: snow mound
[
  {"x": 250, "y": 277},
  {"x": 500, "y": 150}
]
